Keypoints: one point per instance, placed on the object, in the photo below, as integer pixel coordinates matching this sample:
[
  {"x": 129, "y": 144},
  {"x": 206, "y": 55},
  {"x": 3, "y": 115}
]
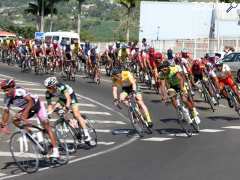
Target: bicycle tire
[
  {"x": 26, "y": 166},
  {"x": 136, "y": 123},
  {"x": 207, "y": 97},
  {"x": 66, "y": 131},
  {"x": 63, "y": 150}
]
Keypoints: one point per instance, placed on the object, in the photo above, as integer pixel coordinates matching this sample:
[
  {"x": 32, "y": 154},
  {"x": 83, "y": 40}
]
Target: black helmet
[
  {"x": 164, "y": 64},
  {"x": 116, "y": 70}
]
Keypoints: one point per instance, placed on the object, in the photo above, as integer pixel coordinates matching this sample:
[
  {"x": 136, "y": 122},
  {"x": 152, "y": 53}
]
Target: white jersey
[{"x": 223, "y": 74}]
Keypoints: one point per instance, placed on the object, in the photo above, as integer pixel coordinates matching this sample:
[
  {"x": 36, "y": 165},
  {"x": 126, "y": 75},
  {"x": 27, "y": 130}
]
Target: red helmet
[
  {"x": 158, "y": 55},
  {"x": 8, "y": 83}
]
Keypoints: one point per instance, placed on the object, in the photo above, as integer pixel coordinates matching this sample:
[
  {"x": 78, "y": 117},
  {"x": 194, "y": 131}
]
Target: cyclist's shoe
[
  {"x": 5, "y": 130},
  {"x": 214, "y": 101},
  {"x": 230, "y": 103},
  {"x": 197, "y": 120},
  {"x": 55, "y": 154},
  {"x": 87, "y": 138},
  {"x": 218, "y": 96},
  {"x": 150, "y": 124}
]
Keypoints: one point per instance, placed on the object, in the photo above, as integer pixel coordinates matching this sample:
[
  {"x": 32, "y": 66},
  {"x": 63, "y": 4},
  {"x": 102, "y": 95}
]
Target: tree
[
  {"x": 39, "y": 12},
  {"x": 80, "y": 3},
  {"x": 53, "y": 10},
  {"x": 130, "y": 6}
]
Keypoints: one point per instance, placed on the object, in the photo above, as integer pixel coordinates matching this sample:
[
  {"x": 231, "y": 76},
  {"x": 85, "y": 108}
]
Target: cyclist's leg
[
  {"x": 42, "y": 116},
  {"x": 143, "y": 107}
]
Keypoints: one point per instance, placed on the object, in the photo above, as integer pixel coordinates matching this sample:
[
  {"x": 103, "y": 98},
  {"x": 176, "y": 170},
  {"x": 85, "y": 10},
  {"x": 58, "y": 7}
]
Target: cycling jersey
[
  {"x": 125, "y": 81},
  {"x": 18, "y": 98},
  {"x": 223, "y": 74},
  {"x": 60, "y": 93},
  {"x": 171, "y": 77}
]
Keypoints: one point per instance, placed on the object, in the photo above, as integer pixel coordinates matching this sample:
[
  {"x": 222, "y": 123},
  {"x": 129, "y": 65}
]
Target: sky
[{"x": 174, "y": 20}]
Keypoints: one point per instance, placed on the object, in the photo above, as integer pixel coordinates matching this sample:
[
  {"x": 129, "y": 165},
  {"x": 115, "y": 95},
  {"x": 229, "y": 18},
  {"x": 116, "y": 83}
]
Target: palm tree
[
  {"x": 129, "y": 5},
  {"x": 53, "y": 10},
  {"x": 35, "y": 8}
]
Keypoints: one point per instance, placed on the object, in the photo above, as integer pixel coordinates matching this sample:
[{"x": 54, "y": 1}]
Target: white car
[{"x": 233, "y": 60}]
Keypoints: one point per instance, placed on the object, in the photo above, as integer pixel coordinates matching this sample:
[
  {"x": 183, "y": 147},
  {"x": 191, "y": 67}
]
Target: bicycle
[
  {"x": 71, "y": 130},
  {"x": 233, "y": 99},
  {"x": 27, "y": 148},
  {"x": 136, "y": 118},
  {"x": 186, "y": 122}
]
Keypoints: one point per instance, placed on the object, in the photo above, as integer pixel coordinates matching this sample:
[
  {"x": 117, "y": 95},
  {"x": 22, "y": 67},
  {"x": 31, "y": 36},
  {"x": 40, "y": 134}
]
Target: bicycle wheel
[
  {"x": 136, "y": 123},
  {"x": 64, "y": 131},
  {"x": 186, "y": 126},
  {"x": 208, "y": 97},
  {"x": 91, "y": 130},
  {"x": 63, "y": 149},
  {"x": 24, "y": 152}
]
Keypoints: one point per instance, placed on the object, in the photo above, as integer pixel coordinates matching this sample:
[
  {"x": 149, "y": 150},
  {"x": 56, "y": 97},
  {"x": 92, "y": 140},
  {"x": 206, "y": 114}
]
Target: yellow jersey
[{"x": 125, "y": 81}]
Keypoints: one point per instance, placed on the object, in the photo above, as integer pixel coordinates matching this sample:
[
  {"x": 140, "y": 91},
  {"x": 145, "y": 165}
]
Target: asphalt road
[{"x": 166, "y": 154}]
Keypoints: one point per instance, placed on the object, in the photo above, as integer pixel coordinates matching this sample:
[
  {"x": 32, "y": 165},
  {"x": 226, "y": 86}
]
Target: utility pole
[{"x": 42, "y": 17}]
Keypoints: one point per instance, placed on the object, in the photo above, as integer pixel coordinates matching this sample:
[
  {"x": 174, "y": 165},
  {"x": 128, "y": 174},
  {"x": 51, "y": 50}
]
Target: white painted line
[
  {"x": 103, "y": 130},
  {"x": 6, "y": 76},
  {"x": 232, "y": 127},
  {"x": 36, "y": 89},
  {"x": 211, "y": 130},
  {"x": 95, "y": 113},
  {"x": 80, "y": 104},
  {"x": 181, "y": 134},
  {"x": 2, "y": 174},
  {"x": 106, "y": 143},
  {"x": 106, "y": 122},
  {"x": 156, "y": 139},
  {"x": 18, "y": 154}
]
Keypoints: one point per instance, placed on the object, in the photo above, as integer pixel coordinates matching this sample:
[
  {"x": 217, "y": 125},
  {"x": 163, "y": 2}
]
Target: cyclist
[
  {"x": 67, "y": 99},
  {"x": 173, "y": 78},
  {"x": 30, "y": 105},
  {"x": 126, "y": 81},
  {"x": 225, "y": 77}
]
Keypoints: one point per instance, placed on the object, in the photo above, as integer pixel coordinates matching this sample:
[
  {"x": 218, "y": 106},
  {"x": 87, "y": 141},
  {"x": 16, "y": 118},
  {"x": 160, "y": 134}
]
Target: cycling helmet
[
  {"x": 55, "y": 41},
  {"x": 50, "y": 82},
  {"x": 118, "y": 44},
  {"x": 116, "y": 70},
  {"x": 8, "y": 83},
  {"x": 164, "y": 64}
]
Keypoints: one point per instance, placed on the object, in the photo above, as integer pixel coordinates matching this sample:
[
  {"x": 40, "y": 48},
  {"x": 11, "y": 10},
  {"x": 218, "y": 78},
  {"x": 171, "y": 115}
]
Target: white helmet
[{"x": 51, "y": 81}]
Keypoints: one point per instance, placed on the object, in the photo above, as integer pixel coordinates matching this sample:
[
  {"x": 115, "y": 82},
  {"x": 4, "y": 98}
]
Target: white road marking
[
  {"x": 96, "y": 113},
  {"x": 232, "y": 127},
  {"x": 181, "y": 134},
  {"x": 103, "y": 130},
  {"x": 156, "y": 139},
  {"x": 2, "y": 174},
  {"x": 99, "y": 142},
  {"x": 211, "y": 130},
  {"x": 106, "y": 143},
  {"x": 106, "y": 122},
  {"x": 18, "y": 154}
]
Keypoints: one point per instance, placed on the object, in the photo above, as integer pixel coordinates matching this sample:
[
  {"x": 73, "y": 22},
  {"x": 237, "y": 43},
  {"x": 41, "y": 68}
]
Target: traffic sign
[{"x": 39, "y": 35}]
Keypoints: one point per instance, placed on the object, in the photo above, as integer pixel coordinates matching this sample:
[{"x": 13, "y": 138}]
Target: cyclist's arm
[
  {"x": 133, "y": 82},
  {"x": 68, "y": 98}
]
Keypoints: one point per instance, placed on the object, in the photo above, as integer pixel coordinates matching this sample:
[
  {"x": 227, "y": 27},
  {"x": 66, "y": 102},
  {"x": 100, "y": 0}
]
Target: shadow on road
[
  {"x": 225, "y": 118},
  {"x": 167, "y": 120}
]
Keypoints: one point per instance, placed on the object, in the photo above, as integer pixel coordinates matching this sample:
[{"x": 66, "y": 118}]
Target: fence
[{"x": 198, "y": 47}]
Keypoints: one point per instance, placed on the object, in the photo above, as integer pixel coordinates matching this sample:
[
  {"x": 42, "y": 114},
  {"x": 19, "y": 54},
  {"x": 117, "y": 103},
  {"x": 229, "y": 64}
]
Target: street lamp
[{"x": 158, "y": 32}]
